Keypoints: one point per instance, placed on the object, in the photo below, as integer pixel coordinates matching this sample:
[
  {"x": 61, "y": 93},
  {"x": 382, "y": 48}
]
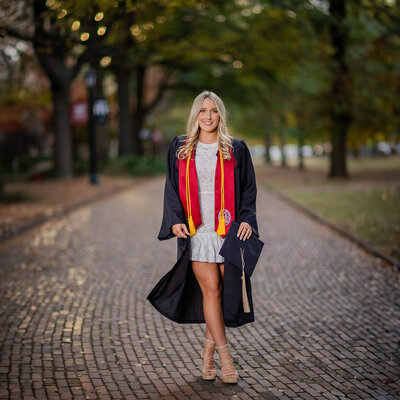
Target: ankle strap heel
[
  {"x": 208, "y": 374},
  {"x": 227, "y": 377}
]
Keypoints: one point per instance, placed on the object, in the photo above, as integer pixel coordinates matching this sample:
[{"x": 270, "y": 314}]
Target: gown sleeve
[
  {"x": 247, "y": 212},
  {"x": 173, "y": 212}
]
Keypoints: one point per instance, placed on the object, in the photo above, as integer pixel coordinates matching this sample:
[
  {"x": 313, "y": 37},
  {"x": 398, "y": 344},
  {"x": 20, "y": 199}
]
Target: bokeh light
[{"x": 85, "y": 36}]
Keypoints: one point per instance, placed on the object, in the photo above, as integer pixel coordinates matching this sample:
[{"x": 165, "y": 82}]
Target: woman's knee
[
  {"x": 213, "y": 289},
  {"x": 209, "y": 278}
]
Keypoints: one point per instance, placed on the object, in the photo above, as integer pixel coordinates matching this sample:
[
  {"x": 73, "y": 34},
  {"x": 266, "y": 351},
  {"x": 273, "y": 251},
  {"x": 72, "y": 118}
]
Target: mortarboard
[{"x": 242, "y": 254}]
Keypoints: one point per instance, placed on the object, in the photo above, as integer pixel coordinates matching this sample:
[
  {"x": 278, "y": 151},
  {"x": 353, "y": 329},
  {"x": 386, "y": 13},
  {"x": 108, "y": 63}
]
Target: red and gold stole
[{"x": 224, "y": 193}]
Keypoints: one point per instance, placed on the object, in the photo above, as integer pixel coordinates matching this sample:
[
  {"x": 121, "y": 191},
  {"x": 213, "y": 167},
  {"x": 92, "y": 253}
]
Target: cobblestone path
[{"x": 75, "y": 324}]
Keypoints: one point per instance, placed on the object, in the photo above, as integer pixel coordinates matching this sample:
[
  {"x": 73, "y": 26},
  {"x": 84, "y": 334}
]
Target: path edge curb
[
  {"x": 35, "y": 222},
  {"x": 361, "y": 243}
]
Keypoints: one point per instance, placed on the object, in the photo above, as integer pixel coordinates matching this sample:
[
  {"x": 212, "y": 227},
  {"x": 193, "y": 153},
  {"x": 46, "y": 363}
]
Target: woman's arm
[
  {"x": 247, "y": 212},
  {"x": 173, "y": 210}
]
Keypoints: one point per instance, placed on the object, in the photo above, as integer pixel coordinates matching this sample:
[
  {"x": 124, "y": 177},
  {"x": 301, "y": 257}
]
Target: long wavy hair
[{"x": 224, "y": 139}]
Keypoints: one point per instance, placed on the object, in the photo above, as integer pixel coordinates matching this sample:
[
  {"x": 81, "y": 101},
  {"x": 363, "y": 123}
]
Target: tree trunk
[
  {"x": 267, "y": 148},
  {"x": 125, "y": 126},
  {"x": 283, "y": 157},
  {"x": 52, "y": 60},
  {"x": 62, "y": 136},
  {"x": 341, "y": 90},
  {"x": 139, "y": 112},
  {"x": 1, "y": 182},
  {"x": 338, "y": 154},
  {"x": 374, "y": 147},
  {"x": 300, "y": 152},
  {"x": 355, "y": 150}
]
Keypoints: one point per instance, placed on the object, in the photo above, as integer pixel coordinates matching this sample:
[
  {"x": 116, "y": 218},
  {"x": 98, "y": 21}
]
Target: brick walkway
[{"x": 75, "y": 322}]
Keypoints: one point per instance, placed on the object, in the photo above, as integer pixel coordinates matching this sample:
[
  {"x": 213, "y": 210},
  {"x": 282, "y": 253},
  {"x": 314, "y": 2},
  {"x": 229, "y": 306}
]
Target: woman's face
[{"x": 208, "y": 116}]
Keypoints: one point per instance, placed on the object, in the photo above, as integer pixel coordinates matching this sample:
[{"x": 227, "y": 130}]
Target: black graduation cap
[
  {"x": 230, "y": 249},
  {"x": 243, "y": 254}
]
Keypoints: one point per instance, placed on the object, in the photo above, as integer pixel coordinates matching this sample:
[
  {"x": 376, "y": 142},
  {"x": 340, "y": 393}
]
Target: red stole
[{"x": 189, "y": 196}]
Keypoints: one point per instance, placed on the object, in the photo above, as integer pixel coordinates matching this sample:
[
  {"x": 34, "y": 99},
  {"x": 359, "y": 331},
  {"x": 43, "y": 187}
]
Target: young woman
[{"x": 210, "y": 182}]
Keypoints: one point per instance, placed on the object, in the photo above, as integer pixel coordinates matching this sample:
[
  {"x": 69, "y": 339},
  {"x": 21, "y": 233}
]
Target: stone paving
[{"x": 74, "y": 322}]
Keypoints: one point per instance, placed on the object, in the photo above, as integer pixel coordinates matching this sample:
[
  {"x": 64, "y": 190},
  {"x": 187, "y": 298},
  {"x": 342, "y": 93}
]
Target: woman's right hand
[{"x": 180, "y": 230}]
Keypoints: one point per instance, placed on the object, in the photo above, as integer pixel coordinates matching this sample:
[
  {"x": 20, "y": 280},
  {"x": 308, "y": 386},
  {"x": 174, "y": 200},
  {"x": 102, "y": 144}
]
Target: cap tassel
[
  {"x": 192, "y": 228},
  {"x": 246, "y": 306}
]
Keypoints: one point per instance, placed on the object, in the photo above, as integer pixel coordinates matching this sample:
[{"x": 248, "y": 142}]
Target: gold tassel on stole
[
  {"x": 192, "y": 229},
  {"x": 246, "y": 306},
  {"x": 221, "y": 226}
]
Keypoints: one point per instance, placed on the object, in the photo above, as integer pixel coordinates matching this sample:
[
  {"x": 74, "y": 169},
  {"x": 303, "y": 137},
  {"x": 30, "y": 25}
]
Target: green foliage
[
  {"x": 373, "y": 56},
  {"x": 135, "y": 166},
  {"x": 372, "y": 214},
  {"x": 129, "y": 165},
  {"x": 271, "y": 62},
  {"x": 81, "y": 166},
  {"x": 23, "y": 163},
  {"x": 365, "y": 205}
]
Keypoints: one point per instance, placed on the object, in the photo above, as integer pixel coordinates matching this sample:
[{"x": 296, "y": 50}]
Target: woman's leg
[
  {"x": 209, "y": 278},
  {"x": 221, "y": 269},
  {"x": 208, "y": 332}
]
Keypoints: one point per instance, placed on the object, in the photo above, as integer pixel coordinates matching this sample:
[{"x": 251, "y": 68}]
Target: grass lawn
[{"x": 365, "y": 204}]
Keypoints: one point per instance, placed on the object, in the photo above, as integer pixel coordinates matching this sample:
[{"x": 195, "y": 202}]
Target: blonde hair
[{"x": 224, "y": 139}]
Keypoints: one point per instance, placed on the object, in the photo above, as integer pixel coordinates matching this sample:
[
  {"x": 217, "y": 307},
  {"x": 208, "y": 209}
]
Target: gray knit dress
[{"x": 205, "y": 244}]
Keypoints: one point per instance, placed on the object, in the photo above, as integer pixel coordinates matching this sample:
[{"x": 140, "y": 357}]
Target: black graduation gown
[{"x": 177, "y": 295}]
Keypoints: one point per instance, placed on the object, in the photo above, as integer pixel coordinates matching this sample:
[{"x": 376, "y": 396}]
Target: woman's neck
[{"x": 208, "y": 137}]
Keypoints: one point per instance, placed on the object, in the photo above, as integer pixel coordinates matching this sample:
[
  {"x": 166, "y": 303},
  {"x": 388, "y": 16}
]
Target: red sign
[{"x": 79, "y": 113}]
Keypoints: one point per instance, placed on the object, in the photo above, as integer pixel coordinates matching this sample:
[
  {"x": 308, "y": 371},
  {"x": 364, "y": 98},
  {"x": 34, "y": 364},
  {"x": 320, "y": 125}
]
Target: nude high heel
[
  {"x": 227, "y": 377},
  {"x": 208, "y": 374}
]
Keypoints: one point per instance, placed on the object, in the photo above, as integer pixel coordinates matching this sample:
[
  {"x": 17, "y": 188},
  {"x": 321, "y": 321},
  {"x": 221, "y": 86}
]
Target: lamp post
[{"x": 90, "y": 78}]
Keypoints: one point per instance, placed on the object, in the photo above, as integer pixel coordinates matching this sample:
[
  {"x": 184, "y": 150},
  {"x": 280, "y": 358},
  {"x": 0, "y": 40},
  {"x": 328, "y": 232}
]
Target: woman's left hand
[{"x": 244, "y": 231}]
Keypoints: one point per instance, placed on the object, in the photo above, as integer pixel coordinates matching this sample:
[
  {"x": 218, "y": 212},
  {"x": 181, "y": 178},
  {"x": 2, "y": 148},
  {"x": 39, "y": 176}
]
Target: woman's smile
[{"x": 208, "y": 116}]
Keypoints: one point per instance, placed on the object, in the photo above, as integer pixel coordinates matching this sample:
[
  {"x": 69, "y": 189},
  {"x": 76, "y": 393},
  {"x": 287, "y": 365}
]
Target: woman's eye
[{"x": 214, "y": 111}]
